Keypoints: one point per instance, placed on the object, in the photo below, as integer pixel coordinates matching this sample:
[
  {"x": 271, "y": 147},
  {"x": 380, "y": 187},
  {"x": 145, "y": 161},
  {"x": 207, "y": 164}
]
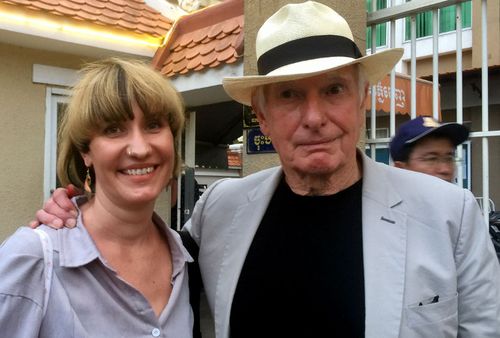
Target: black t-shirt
[{"x": 303, "y": 274}]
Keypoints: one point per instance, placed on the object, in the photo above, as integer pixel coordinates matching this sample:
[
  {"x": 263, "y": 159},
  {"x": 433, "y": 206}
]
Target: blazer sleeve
[
  {"x": 21, "y": 284},
  {"x": 478, "y": 273}
]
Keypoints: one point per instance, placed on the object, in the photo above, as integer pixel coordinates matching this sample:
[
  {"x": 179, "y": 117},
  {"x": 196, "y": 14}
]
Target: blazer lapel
[
  {"x": 384, "y": 246},
  {"x": 243, "y": 227}
]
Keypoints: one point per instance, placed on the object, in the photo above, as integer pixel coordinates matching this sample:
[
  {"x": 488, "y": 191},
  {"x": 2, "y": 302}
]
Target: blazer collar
[{"x": 384, "y": 251}]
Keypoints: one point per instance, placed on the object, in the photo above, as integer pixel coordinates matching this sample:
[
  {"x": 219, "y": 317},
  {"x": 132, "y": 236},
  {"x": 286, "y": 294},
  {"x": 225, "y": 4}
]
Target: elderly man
[
  {"x": 332, "y": 243},
  {"x": 425, "y": 145}
]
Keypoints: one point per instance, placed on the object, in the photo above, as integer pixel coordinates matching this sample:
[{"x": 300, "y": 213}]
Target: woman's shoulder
[
  {"x": 22, "y": 265},
  {"x": 24, "y": 241}
]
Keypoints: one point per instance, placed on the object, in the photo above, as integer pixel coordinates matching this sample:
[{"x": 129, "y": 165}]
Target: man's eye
[
  {"x": 288, "y": 94},
  {"x": 335, "y": 89}
]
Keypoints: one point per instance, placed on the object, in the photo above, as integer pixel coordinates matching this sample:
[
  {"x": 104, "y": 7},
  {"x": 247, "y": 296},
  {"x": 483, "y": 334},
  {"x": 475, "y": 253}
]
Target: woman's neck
[{"x": 110, "y": 222}]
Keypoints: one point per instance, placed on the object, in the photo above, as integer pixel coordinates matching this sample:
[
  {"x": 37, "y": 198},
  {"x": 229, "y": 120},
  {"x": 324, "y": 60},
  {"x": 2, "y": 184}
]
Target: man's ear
[
  {"x": 400, "y": 164},
  {"x": 261, "y": 118},
  {"x": 362, "y": 106}
]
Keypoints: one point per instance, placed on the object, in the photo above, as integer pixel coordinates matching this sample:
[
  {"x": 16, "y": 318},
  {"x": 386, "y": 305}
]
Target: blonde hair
[{"x": 105, "y": 94}]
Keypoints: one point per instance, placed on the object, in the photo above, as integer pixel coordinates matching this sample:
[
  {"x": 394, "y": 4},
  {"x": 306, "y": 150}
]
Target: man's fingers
[
  {"x": 60, "y": 204},
  {"x": 33, "y": 224},
  {"x": 48, "y": 219}
]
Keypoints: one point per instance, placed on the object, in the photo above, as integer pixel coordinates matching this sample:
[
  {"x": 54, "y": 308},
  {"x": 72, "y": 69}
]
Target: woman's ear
[{"x": 86, "y": 159}]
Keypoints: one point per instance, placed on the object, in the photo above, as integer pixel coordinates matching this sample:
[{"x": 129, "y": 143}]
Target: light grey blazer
[{"x": 422, "y": 237}]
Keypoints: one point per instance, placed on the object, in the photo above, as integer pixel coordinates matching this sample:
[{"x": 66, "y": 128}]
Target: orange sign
[{"x": 402, "y": 96}]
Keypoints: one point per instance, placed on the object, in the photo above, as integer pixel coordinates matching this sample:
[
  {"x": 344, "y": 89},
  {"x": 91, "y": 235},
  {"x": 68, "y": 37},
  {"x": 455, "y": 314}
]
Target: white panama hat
[{"x": 304, "y": 40}]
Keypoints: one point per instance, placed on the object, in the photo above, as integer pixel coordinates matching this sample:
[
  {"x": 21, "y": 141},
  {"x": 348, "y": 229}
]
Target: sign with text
[
  {"x": 258, "y": 142},
  {"x": 249, "y": 118},
  {"x": 402, "y": 95}
]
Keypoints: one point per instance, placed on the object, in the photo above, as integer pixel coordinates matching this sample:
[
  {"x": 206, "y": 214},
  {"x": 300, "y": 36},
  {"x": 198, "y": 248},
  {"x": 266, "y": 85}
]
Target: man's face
[
  {"x": 434, "y": 156},
  {"x": 314, "y": 123}
]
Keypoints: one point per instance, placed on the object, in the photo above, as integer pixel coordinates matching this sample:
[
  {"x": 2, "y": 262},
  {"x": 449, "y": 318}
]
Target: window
[
  {"x": 381, "y": 29},
  {"x": 447, "y": 21},
  {"x": 56, "y": 104}
]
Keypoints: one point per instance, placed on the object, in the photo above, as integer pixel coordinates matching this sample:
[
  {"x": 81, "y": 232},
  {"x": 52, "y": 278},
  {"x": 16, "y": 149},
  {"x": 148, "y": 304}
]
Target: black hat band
[{"x": 312, "y": 47}]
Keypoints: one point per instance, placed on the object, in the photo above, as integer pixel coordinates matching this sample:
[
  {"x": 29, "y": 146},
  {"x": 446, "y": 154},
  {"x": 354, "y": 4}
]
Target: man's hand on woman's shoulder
[{"x": 58, "y": 211}]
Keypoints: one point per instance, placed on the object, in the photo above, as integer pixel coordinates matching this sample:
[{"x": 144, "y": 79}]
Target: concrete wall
[
  {"x": 353, "y": 11},
  {"x": 22, "y": 112}
]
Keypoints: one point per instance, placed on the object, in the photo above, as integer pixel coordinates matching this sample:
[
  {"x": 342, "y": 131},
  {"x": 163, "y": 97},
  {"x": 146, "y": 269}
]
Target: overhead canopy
[{"x": 402, "y": 96}]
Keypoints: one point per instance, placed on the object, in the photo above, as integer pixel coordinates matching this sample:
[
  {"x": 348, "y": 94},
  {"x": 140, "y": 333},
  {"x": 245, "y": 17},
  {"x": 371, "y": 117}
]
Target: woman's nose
[{"x": 138, "y": 146}]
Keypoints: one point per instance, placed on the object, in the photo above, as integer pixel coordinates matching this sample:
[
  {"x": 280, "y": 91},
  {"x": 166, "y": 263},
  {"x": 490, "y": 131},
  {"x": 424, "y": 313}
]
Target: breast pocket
[{"x": 445, "y": 310}]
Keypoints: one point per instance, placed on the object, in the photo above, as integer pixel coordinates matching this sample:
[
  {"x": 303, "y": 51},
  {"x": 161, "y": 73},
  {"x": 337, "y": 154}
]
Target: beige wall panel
[
  {"x": 447, "y": 64},
  {"x": 22, "y": 112},
  {"x": 256, "y": 12},
  {"x": 493, "y": 17}
]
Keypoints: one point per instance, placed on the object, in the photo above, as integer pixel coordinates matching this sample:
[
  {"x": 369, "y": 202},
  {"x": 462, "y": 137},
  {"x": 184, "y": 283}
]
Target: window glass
[
  {"x": 381, "y": 29},
  {"x": 446, "y": 20}
]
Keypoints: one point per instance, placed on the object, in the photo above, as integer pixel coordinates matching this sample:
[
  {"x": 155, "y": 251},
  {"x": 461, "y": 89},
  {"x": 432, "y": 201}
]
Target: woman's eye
[
  {"x": 153, "y": 125},
  {"x": 112, "y": 130}
]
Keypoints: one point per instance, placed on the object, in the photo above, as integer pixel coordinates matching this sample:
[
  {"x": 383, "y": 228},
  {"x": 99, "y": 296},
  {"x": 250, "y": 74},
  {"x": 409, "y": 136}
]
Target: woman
[{"x": 121, "y": 271}]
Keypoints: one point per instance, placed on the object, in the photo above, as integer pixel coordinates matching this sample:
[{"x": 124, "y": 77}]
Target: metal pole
[
  {"x": 459, "y": 83},
  {"x": 485, "y": 122},
  {"x": 413, "y": 85}
]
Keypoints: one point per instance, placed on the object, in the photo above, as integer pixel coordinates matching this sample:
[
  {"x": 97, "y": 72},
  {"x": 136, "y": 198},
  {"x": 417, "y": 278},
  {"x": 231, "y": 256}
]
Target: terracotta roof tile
[
  {"x": 66, "y": 11},
  {"x": 178, "y": 67},
  {"x": 111, "y": 14},
  {"x": 225, "y": 54},
  {"x": 87, "y": 16},
  {"x": 129, "y": 15},
  {"x": 193, "y": 64},
  {"x": 50, "y": 2},
  {"x": 192, "y": 53},
  {"x": 214, "y": 64},
  {"x": 41, "y": 5},
  {"x": 208, "y": 38}
]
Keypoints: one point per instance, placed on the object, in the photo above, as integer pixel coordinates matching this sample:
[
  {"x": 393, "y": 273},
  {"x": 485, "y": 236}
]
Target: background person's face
[
  {"x": 433, "y": 156},
  {"x": 314, "y": 123},
  {"x": 132, "y": 160}
]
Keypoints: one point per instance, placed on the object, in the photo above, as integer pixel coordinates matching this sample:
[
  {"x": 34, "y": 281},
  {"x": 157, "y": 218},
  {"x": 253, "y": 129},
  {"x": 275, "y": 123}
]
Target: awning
[{"x": 402, "y": 96}]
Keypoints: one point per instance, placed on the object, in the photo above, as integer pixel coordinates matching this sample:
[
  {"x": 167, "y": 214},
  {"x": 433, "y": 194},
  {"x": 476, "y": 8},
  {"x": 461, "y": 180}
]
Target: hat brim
[
  {"x": 376, "y": 66},
  {"x": 455, "y": 132}
]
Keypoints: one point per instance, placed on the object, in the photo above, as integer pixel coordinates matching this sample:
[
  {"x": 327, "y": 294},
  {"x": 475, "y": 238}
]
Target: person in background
[
  {"x": 332, "y": 243},
  {"x": 425, "y": 145},
  {"x": 121, "y": 271}
]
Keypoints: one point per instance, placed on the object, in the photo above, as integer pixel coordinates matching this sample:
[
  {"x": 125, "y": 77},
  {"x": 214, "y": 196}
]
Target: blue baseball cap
[{"x": 414, "y": 130}]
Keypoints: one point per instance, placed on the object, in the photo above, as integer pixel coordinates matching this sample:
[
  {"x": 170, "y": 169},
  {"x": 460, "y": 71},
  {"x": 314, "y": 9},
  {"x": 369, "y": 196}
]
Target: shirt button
[{"x": 155, "y": 332}]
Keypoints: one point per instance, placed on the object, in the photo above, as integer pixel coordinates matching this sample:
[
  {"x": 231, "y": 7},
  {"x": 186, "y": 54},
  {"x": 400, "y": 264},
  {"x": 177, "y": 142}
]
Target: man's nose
[
  {"x": 313, "y": 115},
  {"x": 446, "y": 170}
]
